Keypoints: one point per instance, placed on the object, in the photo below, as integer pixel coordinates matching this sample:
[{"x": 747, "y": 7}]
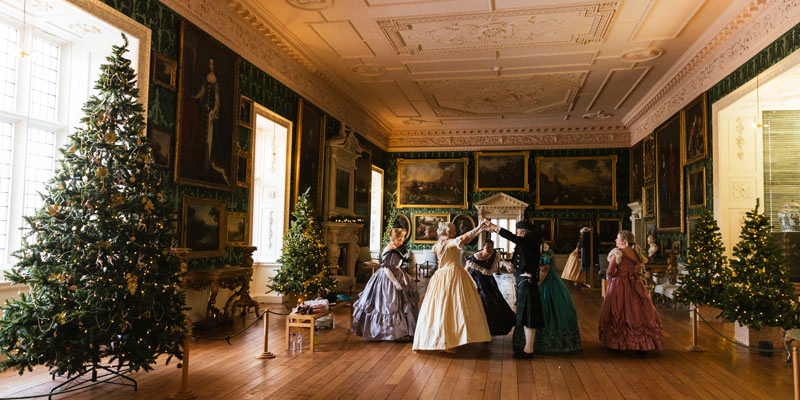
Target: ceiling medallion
[
  {"x": 412, "y": 121},
  {"x": 312, "y": 5},
  {"x": 85, "y": 29},
  {"x": 598, "y": 115},
  {"x": 640, "y": 55},
  {"x": 369, "y": 70}
]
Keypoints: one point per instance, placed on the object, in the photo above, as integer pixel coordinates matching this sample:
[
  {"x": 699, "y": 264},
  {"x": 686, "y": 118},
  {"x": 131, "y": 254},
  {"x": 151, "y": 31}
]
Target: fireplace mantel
[{"x": 340, "y": 233}]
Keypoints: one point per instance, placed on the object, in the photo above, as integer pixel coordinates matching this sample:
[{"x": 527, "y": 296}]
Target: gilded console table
[{"x": 226, "y": 278}]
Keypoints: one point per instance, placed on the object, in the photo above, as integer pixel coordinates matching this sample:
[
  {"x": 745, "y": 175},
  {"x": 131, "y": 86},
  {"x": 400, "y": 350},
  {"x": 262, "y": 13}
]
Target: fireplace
[{"x": 341, "y": 263}]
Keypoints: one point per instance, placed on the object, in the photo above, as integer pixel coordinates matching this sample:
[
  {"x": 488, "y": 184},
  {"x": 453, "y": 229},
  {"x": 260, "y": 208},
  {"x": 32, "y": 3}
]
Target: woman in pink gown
[{"x": 628, "y": 319}]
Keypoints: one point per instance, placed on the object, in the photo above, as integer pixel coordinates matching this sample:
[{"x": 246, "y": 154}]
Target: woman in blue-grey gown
[{"x": 388, "y": 307}]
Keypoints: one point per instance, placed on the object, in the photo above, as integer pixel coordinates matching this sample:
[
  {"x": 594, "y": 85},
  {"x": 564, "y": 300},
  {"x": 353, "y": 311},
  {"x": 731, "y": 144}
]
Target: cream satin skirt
[
  {"x": 572, "y": 269},
  {"x": 452, "y": 313}
]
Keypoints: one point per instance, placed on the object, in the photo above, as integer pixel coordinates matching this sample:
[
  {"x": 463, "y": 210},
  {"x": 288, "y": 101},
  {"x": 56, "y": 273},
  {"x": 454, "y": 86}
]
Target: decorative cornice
[
  {"x": 232, "y": 24},
  {"x": 511, "y": 139},
  {"x": 759, "y": 24}
]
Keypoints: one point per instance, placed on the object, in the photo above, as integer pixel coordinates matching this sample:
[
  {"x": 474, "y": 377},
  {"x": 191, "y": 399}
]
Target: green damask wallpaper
[{"x": 622, "y": 212}]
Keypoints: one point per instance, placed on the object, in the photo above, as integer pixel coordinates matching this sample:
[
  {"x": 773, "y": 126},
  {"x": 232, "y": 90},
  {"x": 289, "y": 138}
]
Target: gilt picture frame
[
  {"x": 246, "y": 112},
  {"x": 425, "y": 226},
  {"x": 164, "y": 71},
  {"x": 696, "y": 188},
  {"x": 649, "y": 201},
  {"x": 433, "y": 183},
  {"x": 591, "y": 179},
  {"x": 237, "y": 229},
  {"x": 501, "y": 171},
  {"x": 608, "y": 229},
  {"x": 669, "y": 177},
  {"x": 546, "y": 227},
  {"x": 203, "y": 226},
  {"x": 310, "y": 153},
  {"x": 694, "y": 121},
  {"x": 244, "y": 169}
]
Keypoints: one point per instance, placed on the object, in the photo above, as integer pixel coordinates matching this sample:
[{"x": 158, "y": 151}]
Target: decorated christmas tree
[
  {"x": 705, "y": 265},
  {"x": 391, "y": 223},
  {"x": 757, "y": 288},
  {"x": 96, "y": 255},
  {"x": 304, "y": 270}
]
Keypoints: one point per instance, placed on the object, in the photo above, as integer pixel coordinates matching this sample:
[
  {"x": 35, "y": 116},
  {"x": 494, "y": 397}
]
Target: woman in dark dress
[
  {"x": 481, "y": 266},
  {"x": 388, "y": 307}
]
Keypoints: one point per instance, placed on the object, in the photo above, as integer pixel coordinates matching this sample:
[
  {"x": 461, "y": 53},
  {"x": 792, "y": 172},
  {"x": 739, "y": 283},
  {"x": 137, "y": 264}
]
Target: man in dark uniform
[{"x": 526, "y": 273}]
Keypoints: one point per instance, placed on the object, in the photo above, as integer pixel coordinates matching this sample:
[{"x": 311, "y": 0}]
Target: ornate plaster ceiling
[{"x": 494, "y": 68}]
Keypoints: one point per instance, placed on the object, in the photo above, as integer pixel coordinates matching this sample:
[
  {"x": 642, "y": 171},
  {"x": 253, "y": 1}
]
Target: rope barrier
[
  {"x": 74, "y": 389},
  {"x": 738, "y": 343},
  {"x": 228, "y": 338}
]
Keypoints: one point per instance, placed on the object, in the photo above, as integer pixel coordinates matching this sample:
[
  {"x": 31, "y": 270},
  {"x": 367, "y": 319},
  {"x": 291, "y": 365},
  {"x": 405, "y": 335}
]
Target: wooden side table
[{"x": 305, "y": 321}]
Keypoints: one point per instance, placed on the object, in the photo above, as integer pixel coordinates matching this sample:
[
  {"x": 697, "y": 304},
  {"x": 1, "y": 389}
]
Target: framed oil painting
[
  {"x": 243, "y": 169},
  {"x": 695, "y": 131},
  {"x": 648, "y": 158},
  {"x": 208, "y": 97},
  {"x": 341, "y": 193},
  {"x": 432, "y": 183},
  {"x": 546, "y": 227},
  {"x": 238, "y": 231},
  {"x": 161, "y": 143},
  {"x": 649, "y": 201},
  {"x": 464, "y": 223},
  {"x": 696, "y": 192},
  {"x": 636, "y": 173},
  {"x": 310, "y": 152},
  {"x": 165, "y": 71},
  {"x": 404, "y": 222},
  {"x": 669, "y": 177},
  {"x": 608, "y": 229},
  {"x": 203, "y": 227},
  {"x": 425, "y": 226},
  {"x": 576, "y": 182},
  {"x": 568, "y": 230},
  {"x": 245, "y": 112},
  {"x": 501, "y": 171},
  {"x": 691, "y": 224}
]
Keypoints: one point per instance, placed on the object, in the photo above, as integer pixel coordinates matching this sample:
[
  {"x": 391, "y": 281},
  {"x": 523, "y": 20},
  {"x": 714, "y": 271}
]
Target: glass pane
[
  {"x": 6, "y": 128},
  {"x": 375, "y": 213},
  {"x": 44, "y": 80},
  {"x": 39, "y": 166},
  {"x": 8, "y": 66}
]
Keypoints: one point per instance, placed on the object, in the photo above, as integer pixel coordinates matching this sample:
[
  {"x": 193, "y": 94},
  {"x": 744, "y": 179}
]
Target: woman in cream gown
[{"x": 452, "y": 312}]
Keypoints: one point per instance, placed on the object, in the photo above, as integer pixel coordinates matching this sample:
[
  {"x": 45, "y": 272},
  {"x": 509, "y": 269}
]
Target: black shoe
[{"x": 521, "y": 355}]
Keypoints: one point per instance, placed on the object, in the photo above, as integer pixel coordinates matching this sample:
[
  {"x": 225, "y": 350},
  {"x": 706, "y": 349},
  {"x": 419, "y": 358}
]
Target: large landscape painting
[
  {"x": 432, "y": 183},
  {"x": 501, "y": 171},
  {"x": 576, "y": 182}
]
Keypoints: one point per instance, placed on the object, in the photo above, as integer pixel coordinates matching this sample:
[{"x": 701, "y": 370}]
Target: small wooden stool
[{"x": 304, "y": 321}]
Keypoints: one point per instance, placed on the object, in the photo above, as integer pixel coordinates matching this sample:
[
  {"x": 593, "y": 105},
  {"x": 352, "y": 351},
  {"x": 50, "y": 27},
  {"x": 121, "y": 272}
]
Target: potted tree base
[{"x": 752, "y": 337}]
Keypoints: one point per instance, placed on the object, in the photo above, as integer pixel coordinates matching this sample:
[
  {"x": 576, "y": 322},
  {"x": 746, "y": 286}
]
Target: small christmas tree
[
  {"x": 757, "y": 288},
  {"x": 304, "y": 267},
  {"x": 705, "y": 265},
  {"x": 103, "y": 284}
]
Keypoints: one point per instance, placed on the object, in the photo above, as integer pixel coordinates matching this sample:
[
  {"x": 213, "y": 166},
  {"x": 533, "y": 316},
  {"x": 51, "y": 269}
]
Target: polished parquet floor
[{"x": 344, "y": 367}]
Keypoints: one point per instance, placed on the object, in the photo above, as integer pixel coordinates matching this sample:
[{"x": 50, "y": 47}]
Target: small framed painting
[
  {"x": 546, "y": 227},
  {"x": 569, "y": 230},
  {"x": 695, "y": 133},
  {"x": 165, "y": 71},
  {"x": 649, "y": 201},
  {"x": 161, "y": 143},
  {"x": 238, "y": 232},
  {"x": 243, "y": 172},
  {"x": 697, "y": 188},
  {"x": 464, "y": 223},
  {"x": 608, "y": 229},
  {"x": 425, "y": 226},
  {"x": 203, "y": 229},
  {"x": 246, "y": 112}
]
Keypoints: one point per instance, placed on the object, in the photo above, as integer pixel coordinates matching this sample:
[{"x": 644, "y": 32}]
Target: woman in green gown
[{"x": 560, "y": 333}]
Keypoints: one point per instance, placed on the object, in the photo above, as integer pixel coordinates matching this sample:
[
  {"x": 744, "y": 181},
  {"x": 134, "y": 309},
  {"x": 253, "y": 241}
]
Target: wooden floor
[{"x": 345, "y": 367}]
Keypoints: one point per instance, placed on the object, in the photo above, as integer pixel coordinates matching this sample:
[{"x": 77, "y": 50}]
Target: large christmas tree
[
  {"x": 757, "y": 288},
  {"x": 304, "y": 267},
  {"x": 705, "y": 264},
  {"x": 103, "y": 285}
]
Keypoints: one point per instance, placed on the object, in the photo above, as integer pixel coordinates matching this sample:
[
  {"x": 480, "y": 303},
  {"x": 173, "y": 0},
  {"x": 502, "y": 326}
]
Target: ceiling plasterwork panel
[
  {"x": 523, "y": 95},
  {"x": 537, "y": 27},
  {"x": 311, "y": 4}
]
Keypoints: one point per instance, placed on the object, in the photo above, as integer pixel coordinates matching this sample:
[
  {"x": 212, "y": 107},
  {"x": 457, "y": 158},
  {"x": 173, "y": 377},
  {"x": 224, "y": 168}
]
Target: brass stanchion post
[
  {"x": 695, "y": 347},
  {"x": 265, "y": 355},
  {"x": 796, "y": 373}
]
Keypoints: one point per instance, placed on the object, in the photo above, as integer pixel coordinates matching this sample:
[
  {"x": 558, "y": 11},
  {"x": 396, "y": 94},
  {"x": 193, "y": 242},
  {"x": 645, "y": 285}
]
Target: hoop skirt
[
  {"x": 499, "y": 315},
  {"x": 452, "y": 313},
  {"x": 628, "y": 318},
  {"x": 382, "y": 312},
  {"x": 572, "y": 269},
  {"x": 560, "y": 333}
]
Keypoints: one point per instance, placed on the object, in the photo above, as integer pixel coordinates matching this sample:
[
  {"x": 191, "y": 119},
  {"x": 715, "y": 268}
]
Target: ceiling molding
[
  {"x": 511, "y": 139},
  {"x": 232, "y": 24},
  {"x": 761, "y": 22}
]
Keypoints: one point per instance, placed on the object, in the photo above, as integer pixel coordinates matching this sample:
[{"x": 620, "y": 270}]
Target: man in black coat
[{"x": 526, "y": 273}]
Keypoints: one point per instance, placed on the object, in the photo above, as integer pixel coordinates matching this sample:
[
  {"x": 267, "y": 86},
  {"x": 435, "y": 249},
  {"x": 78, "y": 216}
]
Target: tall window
[
  {"x": 499, "y": 241},
  {"x": 375, "y": 209},
  {"x": 41, "y": 96},
  {"x": 270, "y": 184}
]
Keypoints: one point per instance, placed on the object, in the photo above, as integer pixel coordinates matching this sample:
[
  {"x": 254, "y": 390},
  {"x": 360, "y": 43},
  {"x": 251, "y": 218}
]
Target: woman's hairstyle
[
  {"x": 487, "y": 240},
  {"x": 628, "y": 237},
  {"x": 446, "y": 229},
  {"x": 397, "y": 233}
]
